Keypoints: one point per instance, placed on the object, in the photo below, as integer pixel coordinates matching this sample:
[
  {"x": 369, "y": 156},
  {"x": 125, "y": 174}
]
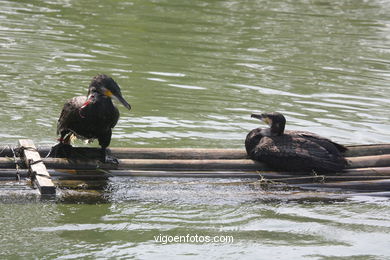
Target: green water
[{"x": 193, "y": 72}]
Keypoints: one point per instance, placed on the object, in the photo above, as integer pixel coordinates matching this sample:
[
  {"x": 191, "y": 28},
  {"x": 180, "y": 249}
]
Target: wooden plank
[{"x": 33, "y": 161}]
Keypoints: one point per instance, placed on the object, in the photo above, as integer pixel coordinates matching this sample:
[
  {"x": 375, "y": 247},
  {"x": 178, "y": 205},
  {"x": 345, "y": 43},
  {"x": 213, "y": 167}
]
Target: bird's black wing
[
  {"x": 328, "y": 144},
  {"x": 70, "y": 113},
  {"x": 252, "y": 139},
  {"x": 294, "y": 153}
]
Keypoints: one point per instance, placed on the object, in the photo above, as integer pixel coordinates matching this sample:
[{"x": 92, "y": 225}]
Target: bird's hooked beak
[
  {"x": 118, "y": 96},
  {"x": 263, "y": 117},
  {"x": 123, "y": 101}
]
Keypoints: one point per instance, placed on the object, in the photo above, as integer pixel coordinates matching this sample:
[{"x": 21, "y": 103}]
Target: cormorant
[
  {"x": 93, "y": 116},
  {"x": 297, "y": 151}
]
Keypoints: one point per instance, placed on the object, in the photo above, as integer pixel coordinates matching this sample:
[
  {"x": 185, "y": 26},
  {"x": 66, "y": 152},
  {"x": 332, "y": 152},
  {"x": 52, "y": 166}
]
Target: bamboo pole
[
  {"x": 65, "y": 178},
  {"x": 208, "y": 164},
  {"x": 7, "y": 163},
  {"x": 96, "y": 174},
  {"x": 369, "y": 161},
  {"x": 187, "y": 153},
  {"x": 202, "y": 153},
  {"x": 367, "y": 150},
  {"x": 70, "y": 174},
  {"x": 368, "y": 170},
  {"x": 12, "y": 173},
  {"x": 325, "y": 179},
  {"x": 90, "y": 191},
  {"x": 382, "y": 171},
  {"x": 369, "y": 185},
  {"x": 142, "y": 153},
  {"x": 63, "y": 163},
  {"x": 228, "y": 164},
  {"x": 177, "y": 164},
  {"x": 82, "y": 184}
]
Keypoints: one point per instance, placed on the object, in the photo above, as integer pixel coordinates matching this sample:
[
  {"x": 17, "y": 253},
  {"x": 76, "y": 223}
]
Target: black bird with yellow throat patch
[
  {"x": 297, "y": 151},
  {"x": 94, "y": 116}
]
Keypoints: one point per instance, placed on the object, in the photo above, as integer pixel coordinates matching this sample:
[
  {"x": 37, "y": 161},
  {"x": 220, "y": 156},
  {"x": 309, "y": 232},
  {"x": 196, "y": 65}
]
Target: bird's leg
[{"x": 104, "y": 141}]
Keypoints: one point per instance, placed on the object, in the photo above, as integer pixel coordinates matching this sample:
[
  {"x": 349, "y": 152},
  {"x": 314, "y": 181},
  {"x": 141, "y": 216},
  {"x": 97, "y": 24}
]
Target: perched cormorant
[
  {"x": 292, "y": 150},
  {"x": 93, "y": 116}
]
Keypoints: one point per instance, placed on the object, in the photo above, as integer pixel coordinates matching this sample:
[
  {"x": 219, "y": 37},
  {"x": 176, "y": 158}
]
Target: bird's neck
[
  {"x": 270, "y": 132},
  {"x": 276, "y": 129},
  {"x": 265, "y": 132}
]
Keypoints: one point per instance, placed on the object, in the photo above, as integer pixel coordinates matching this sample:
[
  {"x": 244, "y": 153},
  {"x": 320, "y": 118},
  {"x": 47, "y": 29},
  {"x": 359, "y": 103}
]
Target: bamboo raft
[{"x": 368, "y": 169}]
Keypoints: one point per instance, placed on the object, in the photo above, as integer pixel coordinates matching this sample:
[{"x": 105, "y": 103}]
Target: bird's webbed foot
[{"x": 108, "y": 158}]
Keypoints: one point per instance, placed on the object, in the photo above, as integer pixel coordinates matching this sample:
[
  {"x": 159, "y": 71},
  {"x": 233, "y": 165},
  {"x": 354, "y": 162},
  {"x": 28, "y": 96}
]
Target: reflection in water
[
  {"x": 194, "y": 72},
  {"x": 140, "y": 208}
]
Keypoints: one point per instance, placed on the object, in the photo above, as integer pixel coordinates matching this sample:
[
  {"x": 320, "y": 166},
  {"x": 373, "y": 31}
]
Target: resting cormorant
[
  {"x": 297, "y": 151},
  {"x": 93, "y": 116}
]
